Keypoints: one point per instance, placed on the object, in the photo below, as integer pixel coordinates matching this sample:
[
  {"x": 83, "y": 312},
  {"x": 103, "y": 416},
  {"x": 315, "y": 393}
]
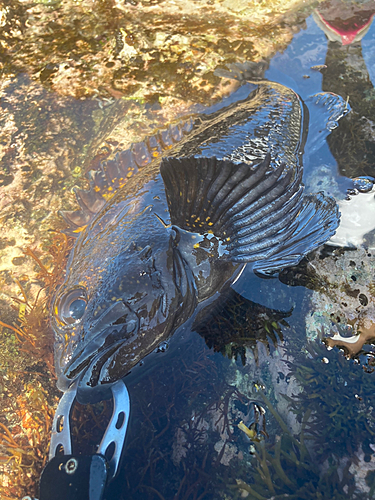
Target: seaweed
[
  {"x": 32, "y": 328},
  {"x": 285, "y": 469},
  {"x": 184, "y": 407},
  {"x": 338, "y": 392},
  {"x": 29, "y": 396},
  {"x": 24, "y": 446}
]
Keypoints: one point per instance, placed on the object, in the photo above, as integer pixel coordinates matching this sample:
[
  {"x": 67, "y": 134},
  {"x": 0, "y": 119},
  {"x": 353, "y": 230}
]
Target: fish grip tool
[{"x": 84, "y": 477}]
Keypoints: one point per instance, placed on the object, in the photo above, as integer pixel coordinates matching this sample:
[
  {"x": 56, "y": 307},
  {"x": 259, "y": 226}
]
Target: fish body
[
  {"x": 272, "y": 120},
  {"x": 224, "y": 191}
]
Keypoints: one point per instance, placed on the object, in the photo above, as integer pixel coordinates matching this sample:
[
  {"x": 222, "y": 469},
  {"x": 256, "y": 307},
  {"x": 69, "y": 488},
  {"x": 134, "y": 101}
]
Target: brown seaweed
[{"x": 29, "y": 397}]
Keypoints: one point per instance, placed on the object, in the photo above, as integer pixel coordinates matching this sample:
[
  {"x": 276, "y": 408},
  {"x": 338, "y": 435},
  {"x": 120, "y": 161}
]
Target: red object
[{"x": 343, "y": 22}]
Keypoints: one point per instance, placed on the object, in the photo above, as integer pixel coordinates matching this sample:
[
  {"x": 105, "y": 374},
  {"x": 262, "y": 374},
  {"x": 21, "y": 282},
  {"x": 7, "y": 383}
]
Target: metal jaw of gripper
[{"x": 81, "y": 477}]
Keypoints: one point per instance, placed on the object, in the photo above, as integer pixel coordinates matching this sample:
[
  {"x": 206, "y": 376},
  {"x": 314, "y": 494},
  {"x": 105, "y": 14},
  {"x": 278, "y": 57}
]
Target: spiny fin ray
[{"x": 113, "y": 174}]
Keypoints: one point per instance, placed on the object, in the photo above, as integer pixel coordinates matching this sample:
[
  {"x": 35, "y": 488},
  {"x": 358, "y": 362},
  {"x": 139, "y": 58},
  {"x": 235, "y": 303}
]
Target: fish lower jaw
[{"x": 90, "y": 366}]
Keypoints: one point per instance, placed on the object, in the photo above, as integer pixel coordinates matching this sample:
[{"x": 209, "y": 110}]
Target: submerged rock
[{"x": 342, "y": 305}]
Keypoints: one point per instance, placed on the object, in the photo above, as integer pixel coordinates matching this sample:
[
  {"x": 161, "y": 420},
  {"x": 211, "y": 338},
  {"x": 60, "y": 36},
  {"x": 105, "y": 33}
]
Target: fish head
[{"x": 108, "y": 316}]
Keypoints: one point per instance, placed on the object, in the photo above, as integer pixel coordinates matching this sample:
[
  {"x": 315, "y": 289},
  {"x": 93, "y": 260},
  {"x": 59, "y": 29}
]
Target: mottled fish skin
[
  {"x": 126, "y": 255},
  {"x": 134, "y": 278}
]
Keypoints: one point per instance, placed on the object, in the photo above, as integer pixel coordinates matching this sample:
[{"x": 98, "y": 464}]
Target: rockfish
[{"x": 192, "y": 206}]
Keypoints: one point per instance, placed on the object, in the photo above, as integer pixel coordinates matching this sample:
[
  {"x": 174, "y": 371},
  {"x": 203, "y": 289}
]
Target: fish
[{"x": 171, "y": 222}]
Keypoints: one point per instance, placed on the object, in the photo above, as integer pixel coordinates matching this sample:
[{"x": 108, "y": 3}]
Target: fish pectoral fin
[
  {"x": 250, "y": 207},
  {"x": 203, "y": 193},
  {"x": 315, "y": 224},
  {"x": 258, "y": 211}
]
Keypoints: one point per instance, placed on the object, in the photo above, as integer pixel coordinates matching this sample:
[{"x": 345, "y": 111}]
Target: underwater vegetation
[
  {"x": 28, "y": 394},
  {"x": 286, "y": 469},
  {"x": 148, "y": 467},
  {"x": 284, "y": 466},
  {"x": 334, "y": 421},
  {"x": 183, "y": 431},
  {"x": 23, "y": 446},
  {"x": 338, "y": 393}
]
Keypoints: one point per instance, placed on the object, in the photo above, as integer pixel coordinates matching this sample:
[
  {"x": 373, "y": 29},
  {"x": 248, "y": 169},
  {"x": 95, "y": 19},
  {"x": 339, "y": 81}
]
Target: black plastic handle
[{"x": 69, "y": 477}]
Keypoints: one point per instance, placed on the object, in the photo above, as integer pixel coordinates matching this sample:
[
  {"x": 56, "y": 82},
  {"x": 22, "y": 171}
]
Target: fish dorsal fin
[
  {"x": 259, "y": 213},
  {"x": 113, "y": 174}
]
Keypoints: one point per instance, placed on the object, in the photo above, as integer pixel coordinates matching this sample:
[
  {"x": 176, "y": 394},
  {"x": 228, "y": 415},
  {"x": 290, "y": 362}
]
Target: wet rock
[{"x": 343, "y": 311}]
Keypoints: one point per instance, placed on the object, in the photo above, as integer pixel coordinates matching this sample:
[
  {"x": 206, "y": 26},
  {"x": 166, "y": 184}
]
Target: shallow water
[{"x": 256, "y": 357}]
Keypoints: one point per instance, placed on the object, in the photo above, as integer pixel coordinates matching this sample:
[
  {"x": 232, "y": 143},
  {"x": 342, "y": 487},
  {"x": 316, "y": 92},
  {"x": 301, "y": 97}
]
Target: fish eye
[
  {"x": 77, "y": 308},
  {"x": 72, "y": 306}
]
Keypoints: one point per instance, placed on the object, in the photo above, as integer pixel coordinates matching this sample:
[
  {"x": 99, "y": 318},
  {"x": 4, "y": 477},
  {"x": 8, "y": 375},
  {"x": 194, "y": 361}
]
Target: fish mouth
[{"x": 117, "y": 326}]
